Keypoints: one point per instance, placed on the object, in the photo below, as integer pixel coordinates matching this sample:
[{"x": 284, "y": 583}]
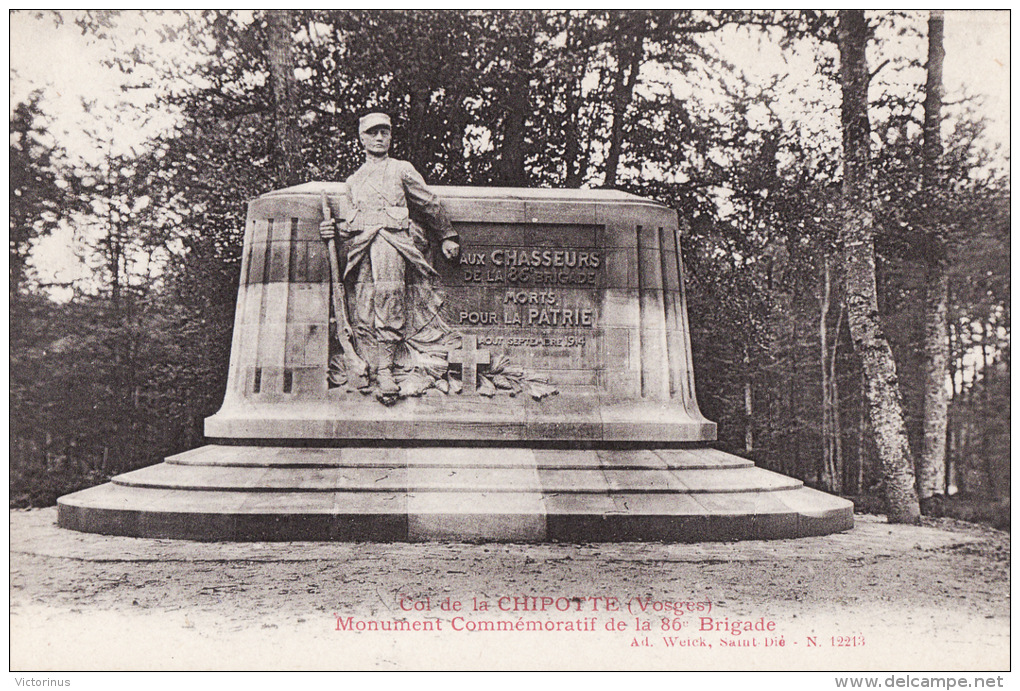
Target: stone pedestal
[{"x": 583, "y": 289}]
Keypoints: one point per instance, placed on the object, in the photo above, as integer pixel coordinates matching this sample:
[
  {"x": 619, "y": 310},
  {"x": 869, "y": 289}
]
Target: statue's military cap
[{"x": 373, "y": 120}]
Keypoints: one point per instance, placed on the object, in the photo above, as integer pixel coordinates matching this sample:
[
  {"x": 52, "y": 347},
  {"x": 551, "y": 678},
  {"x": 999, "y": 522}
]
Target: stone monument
[{"x": 526, "y": 377}]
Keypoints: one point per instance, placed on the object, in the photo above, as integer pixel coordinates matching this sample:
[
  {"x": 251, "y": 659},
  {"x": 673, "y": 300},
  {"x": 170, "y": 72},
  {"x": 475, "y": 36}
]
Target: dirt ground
[{"x": 879, "y": 597}]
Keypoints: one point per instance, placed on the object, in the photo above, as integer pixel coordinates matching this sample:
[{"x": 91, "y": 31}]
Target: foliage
[{"x": 36, "y": 189}]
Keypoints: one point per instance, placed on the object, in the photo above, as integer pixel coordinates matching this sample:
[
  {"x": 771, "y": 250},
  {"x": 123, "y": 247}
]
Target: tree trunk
[
  {"x": 952, "y": 436},
  {"x": 931, "y": 471},
  {"x": 286, "y": 144},
  {"x": 510, "y": 170},
  {"x": 985, "y": 443},
  {"x": 839, "y": 467},
  {"x": 748, "y": 406},
  {"x": 574, "y": 172},
  {"x": 961, "y": 399},
  {"x": 628, "y": 59},
  {"x": 862, "y": 425},
  {"x": 832, "y": 466},
  {"x": 823, "y": 339},
  {"x": 574, "y": 165},
  {"x": 884, "y": 401},
  {"x": 794, "y": 431},
  {"x": 516, "y": 106}
]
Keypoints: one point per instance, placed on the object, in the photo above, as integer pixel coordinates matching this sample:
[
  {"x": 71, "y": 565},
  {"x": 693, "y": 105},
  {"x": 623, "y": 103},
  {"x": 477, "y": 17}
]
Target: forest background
[{"x": 126, "y": 231}]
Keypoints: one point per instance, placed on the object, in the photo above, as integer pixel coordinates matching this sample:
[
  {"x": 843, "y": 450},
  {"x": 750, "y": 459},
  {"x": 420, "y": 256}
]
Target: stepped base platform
[{"x": 497, "y": 494}]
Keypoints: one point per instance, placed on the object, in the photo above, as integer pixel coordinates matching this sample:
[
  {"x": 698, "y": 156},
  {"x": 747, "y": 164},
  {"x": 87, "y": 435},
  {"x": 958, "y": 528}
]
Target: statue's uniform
[{"x": 386, "y": 253}]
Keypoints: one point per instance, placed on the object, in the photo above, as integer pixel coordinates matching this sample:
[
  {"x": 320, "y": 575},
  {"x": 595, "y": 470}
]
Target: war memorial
[{"x": 457, "y": 363}]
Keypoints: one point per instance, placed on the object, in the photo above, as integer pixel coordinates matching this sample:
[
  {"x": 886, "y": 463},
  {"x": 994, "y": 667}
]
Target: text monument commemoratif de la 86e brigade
[{"x": 457, "y": 363}]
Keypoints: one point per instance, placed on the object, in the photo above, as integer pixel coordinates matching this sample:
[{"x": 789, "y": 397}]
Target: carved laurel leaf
[
  {"x": 499, "y": 363},
  {"x": 433, "y": 364},
  {"x": 508, "y": 383},
  {"x": 416, "y": 384},
  {"x": 514, "y": 372},
  {"x": 486, "y": 387},
  {"x": 502, "y": 382},
  {"x": 455, "y": 384}
]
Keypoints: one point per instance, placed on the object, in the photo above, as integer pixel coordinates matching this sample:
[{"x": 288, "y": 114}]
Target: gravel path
[{"x": 879, "y": 597}]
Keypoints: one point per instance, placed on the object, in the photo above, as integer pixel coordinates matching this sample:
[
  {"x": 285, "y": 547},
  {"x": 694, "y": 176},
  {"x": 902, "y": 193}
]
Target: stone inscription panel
[{"x": 531, "y": 290}]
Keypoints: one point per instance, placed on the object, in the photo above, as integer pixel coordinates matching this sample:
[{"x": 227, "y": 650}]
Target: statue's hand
[
  {"x": 327, "y": 230},
  {"x": 451, "y": 249}
]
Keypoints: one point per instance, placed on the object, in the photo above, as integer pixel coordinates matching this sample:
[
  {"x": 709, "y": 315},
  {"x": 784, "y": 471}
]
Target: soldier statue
[{"x": 390, "y": 216}]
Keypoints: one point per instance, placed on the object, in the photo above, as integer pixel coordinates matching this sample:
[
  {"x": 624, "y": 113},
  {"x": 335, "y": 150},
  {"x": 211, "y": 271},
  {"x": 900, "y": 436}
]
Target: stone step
[
  {"x": 442, "y": 457},
  {"x": 456, "y": 479},
  {"x": 489, "y": 494},
  {"x": 465, "y": 516}
]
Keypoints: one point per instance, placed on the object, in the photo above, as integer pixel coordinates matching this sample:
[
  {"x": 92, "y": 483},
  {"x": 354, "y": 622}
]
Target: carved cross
[{"x": 469, "y": 357}]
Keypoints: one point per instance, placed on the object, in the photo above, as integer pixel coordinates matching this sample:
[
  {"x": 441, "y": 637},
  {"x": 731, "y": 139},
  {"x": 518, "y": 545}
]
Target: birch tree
[
  {"x": 931, "y": 470},
  {"x": 858, "y": 239},
  {"x": 286, "y": 144}
]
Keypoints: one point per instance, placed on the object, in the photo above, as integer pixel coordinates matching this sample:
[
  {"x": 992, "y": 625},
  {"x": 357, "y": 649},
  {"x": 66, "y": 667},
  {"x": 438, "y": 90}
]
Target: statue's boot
[{"x": 387, "y": 358}]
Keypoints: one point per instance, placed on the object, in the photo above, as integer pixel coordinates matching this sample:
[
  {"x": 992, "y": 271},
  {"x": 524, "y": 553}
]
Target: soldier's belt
[{"x": 390, "y": 217}]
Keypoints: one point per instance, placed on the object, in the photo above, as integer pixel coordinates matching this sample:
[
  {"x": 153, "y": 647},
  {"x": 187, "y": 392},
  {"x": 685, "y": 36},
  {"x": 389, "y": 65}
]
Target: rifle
[{"x": 342, "y": 327}]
